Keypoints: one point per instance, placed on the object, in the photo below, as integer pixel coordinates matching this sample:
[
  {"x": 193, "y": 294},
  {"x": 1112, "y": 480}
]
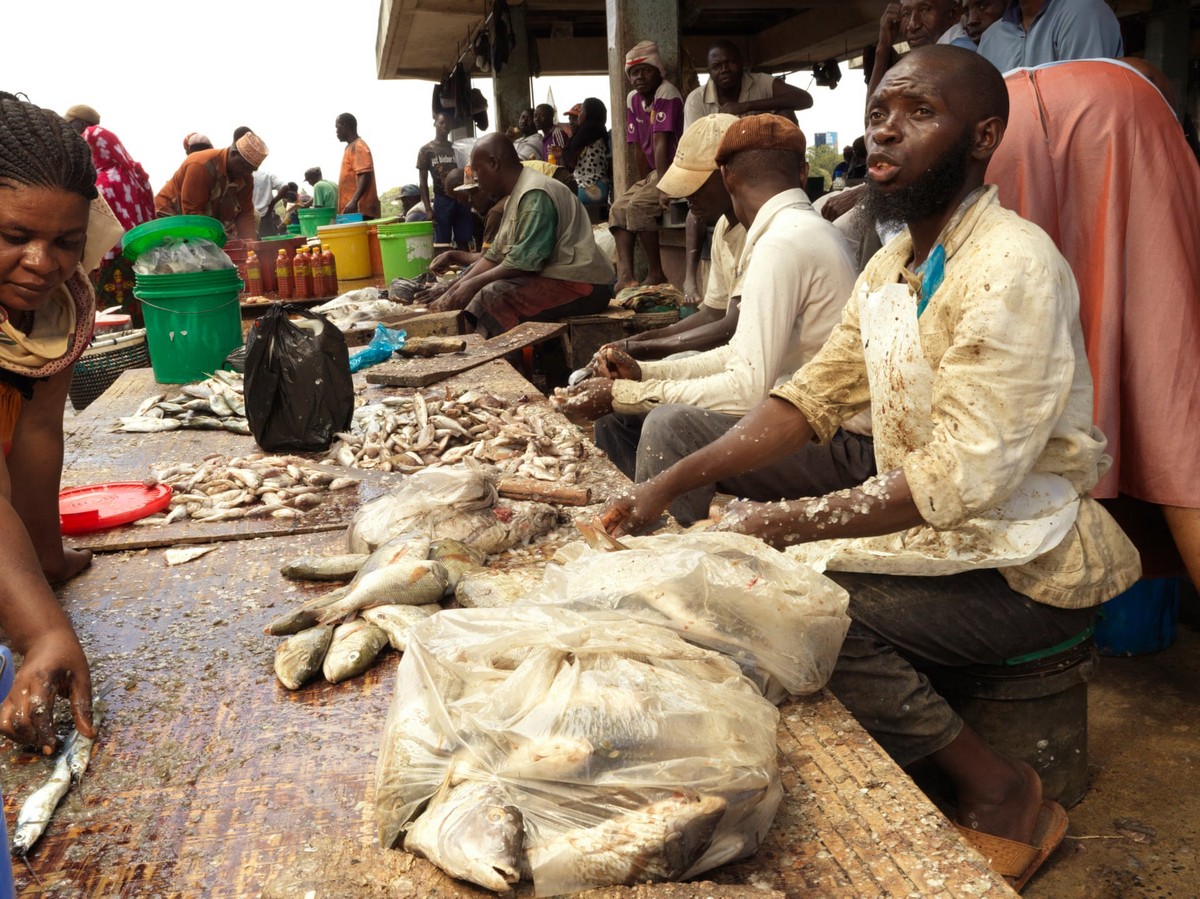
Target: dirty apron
[{"x": 1031, "y": 521}]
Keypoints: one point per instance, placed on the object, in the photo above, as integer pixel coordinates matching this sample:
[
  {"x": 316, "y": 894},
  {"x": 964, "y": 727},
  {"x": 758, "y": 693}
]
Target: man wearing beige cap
[
  {"x": 795, "y": 276},
  {"x": 653, "y": 124},
  {"x": 219, "y": 184}
]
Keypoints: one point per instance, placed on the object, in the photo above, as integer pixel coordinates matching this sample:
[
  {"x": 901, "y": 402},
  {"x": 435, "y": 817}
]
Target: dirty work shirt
[
  {"x": 357, "y": 160},
  {"x": 790, "y": 303},
  {"x": 325, "y": 194},
  {"x": 665, "y": 114},
  {"x": 1011, "y": 395},
  {"x": 202, "y": 186},
  {"x": 703, "y": 100},
  {"x": 437, "y": 157},
  {"x": 1062, "y": 30},
  {"x": 1133, "y": 251}
]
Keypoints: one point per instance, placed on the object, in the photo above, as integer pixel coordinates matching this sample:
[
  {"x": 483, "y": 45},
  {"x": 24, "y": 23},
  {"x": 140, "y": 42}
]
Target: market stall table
[{"x": 211, "y": 779}]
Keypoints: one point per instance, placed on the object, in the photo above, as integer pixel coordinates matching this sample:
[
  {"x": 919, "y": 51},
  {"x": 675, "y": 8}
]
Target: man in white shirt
[
  {"x": 733, "y": 90},
  {"x": 790, "y": 301}
]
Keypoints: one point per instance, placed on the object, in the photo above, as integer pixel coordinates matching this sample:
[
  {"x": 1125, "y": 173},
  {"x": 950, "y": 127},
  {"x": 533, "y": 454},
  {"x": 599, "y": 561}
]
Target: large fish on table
[
  {"x": 659, "y": 841},
  {"x": 353, "y": 649},
  {"x": 398, "y": 573},
  {"x": 298, "y": 658},
  {"x": 499, "y": 528},
  {"x": 472, "y": 832}
]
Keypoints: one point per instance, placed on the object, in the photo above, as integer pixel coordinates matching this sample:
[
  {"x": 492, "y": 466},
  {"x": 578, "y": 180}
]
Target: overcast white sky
[{"x": 157, "y": 70}]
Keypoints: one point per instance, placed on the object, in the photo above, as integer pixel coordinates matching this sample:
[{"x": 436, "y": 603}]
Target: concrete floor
[{"x": 1136, "y": 832}]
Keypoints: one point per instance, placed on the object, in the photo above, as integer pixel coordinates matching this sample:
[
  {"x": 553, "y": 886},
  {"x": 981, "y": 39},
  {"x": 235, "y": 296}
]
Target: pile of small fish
[
  {"x": 413, "y": 432},
  {"x": 215, "y": 404},
  {"x": 221, "y": 488},
  {"x": 340, "y": 633}
]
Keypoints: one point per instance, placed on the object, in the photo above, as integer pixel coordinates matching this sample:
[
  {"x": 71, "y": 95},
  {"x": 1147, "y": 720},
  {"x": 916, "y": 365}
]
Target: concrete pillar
[
  {"x": 512, "y": 86},
  {"x": 631, "y": 21},
  {"x": 1168, "y": 33}
]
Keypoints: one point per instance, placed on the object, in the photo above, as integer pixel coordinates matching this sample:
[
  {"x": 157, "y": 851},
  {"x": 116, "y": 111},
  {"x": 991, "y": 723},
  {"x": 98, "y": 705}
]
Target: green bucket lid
[{"x": 149, "y": 235}]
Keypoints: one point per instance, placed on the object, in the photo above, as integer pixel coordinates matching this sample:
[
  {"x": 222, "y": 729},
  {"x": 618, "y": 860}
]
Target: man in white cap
[
  {"x": 750, "y": 170},
  {"x": 653, "y": 124},
  {"x": 219, "y": 184}
]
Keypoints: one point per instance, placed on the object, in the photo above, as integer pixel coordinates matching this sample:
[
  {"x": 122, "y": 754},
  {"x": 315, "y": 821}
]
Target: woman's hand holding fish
[{"x": 54, "y": 666}]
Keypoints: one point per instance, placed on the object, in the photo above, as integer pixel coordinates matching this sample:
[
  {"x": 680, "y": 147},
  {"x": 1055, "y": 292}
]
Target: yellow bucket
[{"x": 350, "y": 248}]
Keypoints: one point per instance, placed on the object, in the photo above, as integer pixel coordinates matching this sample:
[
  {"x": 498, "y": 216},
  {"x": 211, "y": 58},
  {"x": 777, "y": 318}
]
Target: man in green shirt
[
  {"x": 325, "y": 193},
  {"x": 543, "y": 264}
]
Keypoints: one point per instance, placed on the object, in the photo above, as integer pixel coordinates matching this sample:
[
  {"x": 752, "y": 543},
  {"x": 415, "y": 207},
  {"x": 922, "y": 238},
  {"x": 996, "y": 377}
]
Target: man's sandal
[{"x": 1018, "y": 861}]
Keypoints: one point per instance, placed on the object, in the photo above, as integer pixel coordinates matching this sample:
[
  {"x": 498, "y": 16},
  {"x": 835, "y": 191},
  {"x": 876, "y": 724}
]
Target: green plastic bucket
[
  {"x": 407, "y": 249},
  {"x": 313, "y": 218},
  {"x": 191, "y": 326}
]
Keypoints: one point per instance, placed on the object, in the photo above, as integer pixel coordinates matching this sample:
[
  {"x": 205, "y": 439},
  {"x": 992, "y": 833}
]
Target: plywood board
[{"x": 423, "y": 372}]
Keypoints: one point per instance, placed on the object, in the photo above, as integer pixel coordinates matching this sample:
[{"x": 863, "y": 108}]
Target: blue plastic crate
[{"x": 1145, "y": 618}]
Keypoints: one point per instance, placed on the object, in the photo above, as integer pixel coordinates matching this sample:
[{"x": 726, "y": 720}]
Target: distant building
[{"x": 821, "y": 138}]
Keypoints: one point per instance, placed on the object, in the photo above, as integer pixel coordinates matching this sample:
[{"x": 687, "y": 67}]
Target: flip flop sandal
[{"x": 1016, "y": 860}]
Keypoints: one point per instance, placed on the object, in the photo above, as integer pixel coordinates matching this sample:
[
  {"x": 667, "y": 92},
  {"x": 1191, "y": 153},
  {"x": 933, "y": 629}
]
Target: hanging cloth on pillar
[{"x": 503, "y": 38}]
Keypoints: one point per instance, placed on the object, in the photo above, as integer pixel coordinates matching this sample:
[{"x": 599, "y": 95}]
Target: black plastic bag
[{"x": 298, "y": 388}]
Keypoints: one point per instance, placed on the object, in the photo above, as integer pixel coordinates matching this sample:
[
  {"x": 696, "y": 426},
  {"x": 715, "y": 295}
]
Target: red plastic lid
[
  {"x": 98, "y": 506},
  {"x": 112, "y": 320}
]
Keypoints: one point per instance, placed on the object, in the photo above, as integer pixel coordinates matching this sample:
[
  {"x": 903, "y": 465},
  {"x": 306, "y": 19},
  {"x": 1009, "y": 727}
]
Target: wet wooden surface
[
  {"x": 210, "y": 779},
  {"x": 422, "y": 372}
]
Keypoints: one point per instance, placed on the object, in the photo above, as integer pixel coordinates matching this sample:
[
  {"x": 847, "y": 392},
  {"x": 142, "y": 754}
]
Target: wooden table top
[{"x": 210, "y": 779}]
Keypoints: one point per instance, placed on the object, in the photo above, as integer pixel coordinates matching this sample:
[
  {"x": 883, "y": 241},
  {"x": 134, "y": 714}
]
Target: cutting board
[{"x": 422, "y": 372}]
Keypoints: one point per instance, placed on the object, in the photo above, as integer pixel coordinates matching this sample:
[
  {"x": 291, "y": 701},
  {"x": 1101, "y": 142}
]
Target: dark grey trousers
[
  {"x": 644, "y": 445},
  {"x": 903, "y": 626}
]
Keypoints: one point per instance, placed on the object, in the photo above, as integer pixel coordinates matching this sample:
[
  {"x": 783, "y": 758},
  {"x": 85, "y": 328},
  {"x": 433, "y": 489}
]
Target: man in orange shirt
[
  {"x": 217, "y": 183},
  {"x": 356, "y": 183}
]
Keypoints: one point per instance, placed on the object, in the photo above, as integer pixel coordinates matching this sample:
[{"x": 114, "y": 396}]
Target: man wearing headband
[
  {"x": 219, "y": 184},
  {"x": 653, "y": 123}
]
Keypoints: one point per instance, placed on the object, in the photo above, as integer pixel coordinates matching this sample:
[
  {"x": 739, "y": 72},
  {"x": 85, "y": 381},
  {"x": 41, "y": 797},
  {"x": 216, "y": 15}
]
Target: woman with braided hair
[{"x": 53, "y": 228}]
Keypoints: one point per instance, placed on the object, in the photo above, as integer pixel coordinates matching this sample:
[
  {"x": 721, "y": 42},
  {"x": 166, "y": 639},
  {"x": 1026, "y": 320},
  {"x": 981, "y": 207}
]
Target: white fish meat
[
  {"x": 353, "y": 649},
  {"x": 298, "y": 658},
  {"x": 474, "y": 833},
  {"x": 177, "y": 555},
  {"x": 141, "y": 424},
  {"x": 37, "y": 810}
]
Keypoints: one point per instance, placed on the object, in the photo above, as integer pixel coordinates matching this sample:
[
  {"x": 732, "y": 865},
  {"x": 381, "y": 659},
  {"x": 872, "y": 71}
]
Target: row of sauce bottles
[{"x": 305, "y": 275}]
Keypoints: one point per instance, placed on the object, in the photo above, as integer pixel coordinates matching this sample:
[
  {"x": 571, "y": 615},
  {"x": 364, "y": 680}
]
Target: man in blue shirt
[{"x": 1034, "y": 32}]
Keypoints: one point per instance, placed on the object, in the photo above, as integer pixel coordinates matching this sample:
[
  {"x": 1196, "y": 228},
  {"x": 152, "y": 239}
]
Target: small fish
[
  {"x": 149, "y": 403},
  {"x": 37, "y": 810},
  {"x": 236, "y": 425},
  {"x": 204, "y": 423},
  {"x": 299, "y": 657},
  {"x": 353, "y": 650},
  {"x": 342, "y": 483},
  {"x": 474, "y": 833},
  {"x": 324, "y": 568},
  {"x": 397, "y": 621},
  {"x": 140, "y": 424}
]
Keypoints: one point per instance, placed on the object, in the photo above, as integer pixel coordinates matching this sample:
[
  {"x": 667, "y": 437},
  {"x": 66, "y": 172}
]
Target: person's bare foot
[
  {"x": 653, "y": 278},
  {"x": 624, "y": 283},
  {"x": 74, "y": 561},
  {"x": 1010, "y": 811}
]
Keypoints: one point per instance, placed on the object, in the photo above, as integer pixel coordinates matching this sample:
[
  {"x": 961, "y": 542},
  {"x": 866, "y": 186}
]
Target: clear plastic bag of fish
[
  {"x": 422, "y": 501},
  {"x": 178, "y": 255},
  {"x": 778, "y": 618},
  {"x": 576, "y": 749}
]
